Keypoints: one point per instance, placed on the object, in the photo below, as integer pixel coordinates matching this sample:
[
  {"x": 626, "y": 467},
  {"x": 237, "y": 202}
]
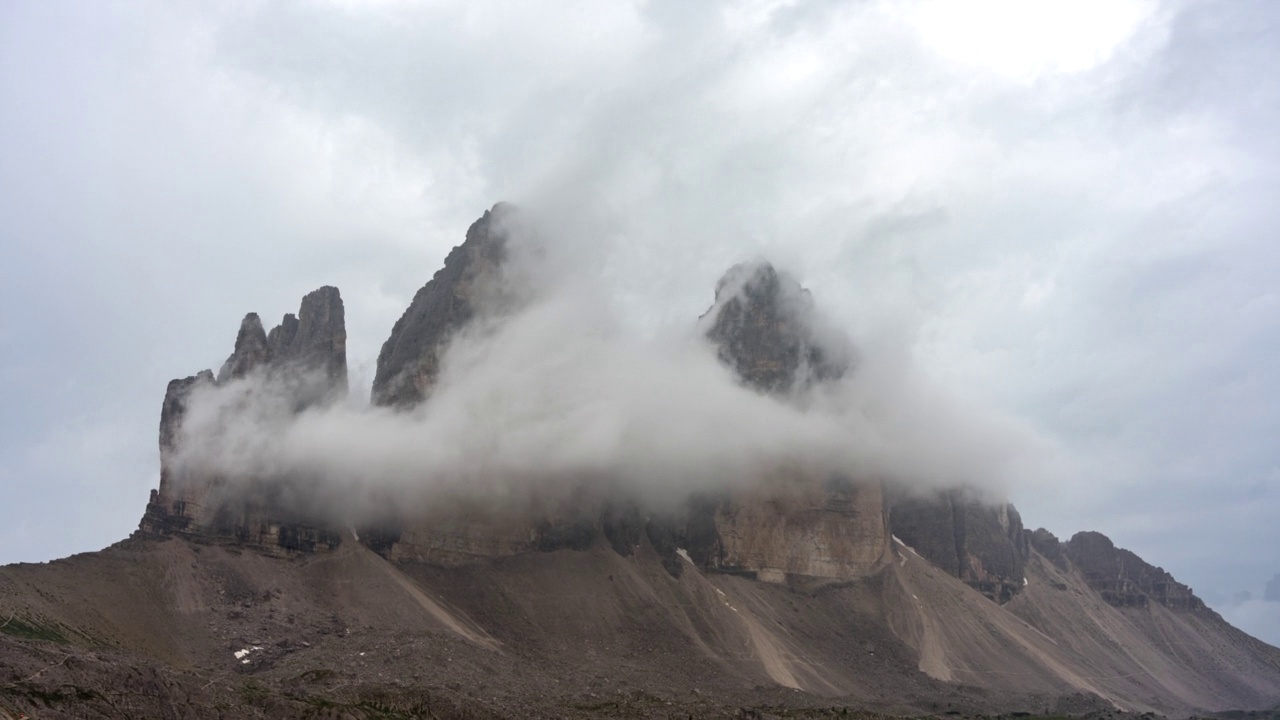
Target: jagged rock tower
[{"x": 306, "y": 357}]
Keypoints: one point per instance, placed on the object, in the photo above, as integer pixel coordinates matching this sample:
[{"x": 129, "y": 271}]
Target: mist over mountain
[
  {"x": 531, "y": 379},
  {"x": 721, "y": 517}
]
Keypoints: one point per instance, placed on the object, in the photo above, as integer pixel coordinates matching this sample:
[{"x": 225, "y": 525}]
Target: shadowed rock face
[
  {"x": 410, "y": 358},
  {"x": 306, "y": 356},
  {"x": 983, "y": 544},
  {"x": 1125, "y": 580}
]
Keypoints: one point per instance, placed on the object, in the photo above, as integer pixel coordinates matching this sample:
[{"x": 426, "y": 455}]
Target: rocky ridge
[{"x": 1124, "y": 579}]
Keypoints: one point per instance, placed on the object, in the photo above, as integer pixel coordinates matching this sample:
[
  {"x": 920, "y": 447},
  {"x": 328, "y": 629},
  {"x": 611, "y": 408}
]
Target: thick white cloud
[{"x": 1067, "y": 214}]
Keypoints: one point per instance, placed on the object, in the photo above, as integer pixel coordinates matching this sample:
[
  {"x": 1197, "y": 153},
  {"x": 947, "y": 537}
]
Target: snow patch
[
  {"x": 899, "y": 541},
  {"x": 243, "y": 655},
  {"x": 684, "y": 554},
  {"x": 724, "y": 599}
]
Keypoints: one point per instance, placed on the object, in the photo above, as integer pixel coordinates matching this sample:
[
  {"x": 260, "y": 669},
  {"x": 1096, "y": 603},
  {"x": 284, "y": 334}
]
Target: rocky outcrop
[
  {"x": 410, "y": 358},
  {"x": 1125, "y": 580},
  {"x": 982, "y": 543},
  {"x": 305, "y": 359},
  {"x": 765, "y": 327},
  {"x": 1048, "y": 545},
  {"x": 792, "y": 524}
]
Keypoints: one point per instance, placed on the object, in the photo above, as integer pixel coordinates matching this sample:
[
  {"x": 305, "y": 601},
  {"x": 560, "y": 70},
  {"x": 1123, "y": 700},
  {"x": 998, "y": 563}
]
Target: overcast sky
[{"x": 1067, "y": 211}]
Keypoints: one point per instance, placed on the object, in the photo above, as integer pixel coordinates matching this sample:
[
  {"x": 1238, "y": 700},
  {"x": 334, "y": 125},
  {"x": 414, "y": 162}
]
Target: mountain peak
[
  {"x": 766, "y": 328},
  {"x": 409, "y": 361}
]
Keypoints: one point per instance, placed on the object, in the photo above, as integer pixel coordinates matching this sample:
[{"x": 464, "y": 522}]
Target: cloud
[{"x": 559, "y": 392}]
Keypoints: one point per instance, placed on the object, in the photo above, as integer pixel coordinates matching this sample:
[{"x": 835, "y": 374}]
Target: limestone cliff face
[
  {"x": 410, "y": 358},
  {"x": 1124, "y": 579},
  {"x": 304, "y": 356},
  {"x": 982, "y": 543},
  {"x": 795, "y": 524},
  {"x": 792, "y": 529}
]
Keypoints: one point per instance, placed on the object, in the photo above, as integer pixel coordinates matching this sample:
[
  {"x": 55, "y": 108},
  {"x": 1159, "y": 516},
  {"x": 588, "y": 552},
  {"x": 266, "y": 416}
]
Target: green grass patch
[
  {"x": 49, "y": 697},
  {"x": 31, "y": 630}
]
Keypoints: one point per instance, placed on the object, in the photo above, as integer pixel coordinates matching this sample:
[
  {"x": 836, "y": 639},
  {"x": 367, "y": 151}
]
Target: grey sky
[{"x": 1067, "y": 213}]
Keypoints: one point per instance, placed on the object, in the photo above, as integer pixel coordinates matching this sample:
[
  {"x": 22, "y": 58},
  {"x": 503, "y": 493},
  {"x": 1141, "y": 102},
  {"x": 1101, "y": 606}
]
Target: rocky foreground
[{"x": 803, "y": 593}]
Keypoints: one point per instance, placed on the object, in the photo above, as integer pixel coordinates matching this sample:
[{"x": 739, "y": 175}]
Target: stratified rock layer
[{"x": 1125, "y": 580}]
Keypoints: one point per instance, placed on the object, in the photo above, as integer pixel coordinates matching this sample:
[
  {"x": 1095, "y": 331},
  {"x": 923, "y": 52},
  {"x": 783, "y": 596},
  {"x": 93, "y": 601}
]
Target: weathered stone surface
[
  {"x": 1124, "y": 579},
  {"x": 981, "y": 543},
  {"x": 794, "y": 523},
  {"x": 306, "y": 357},
  {"x": 765, "y": 327},
  {"x": 410, "y": 358}
]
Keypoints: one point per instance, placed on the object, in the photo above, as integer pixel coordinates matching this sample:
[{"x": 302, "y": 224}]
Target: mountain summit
[{"x": 802, "y": 589}]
